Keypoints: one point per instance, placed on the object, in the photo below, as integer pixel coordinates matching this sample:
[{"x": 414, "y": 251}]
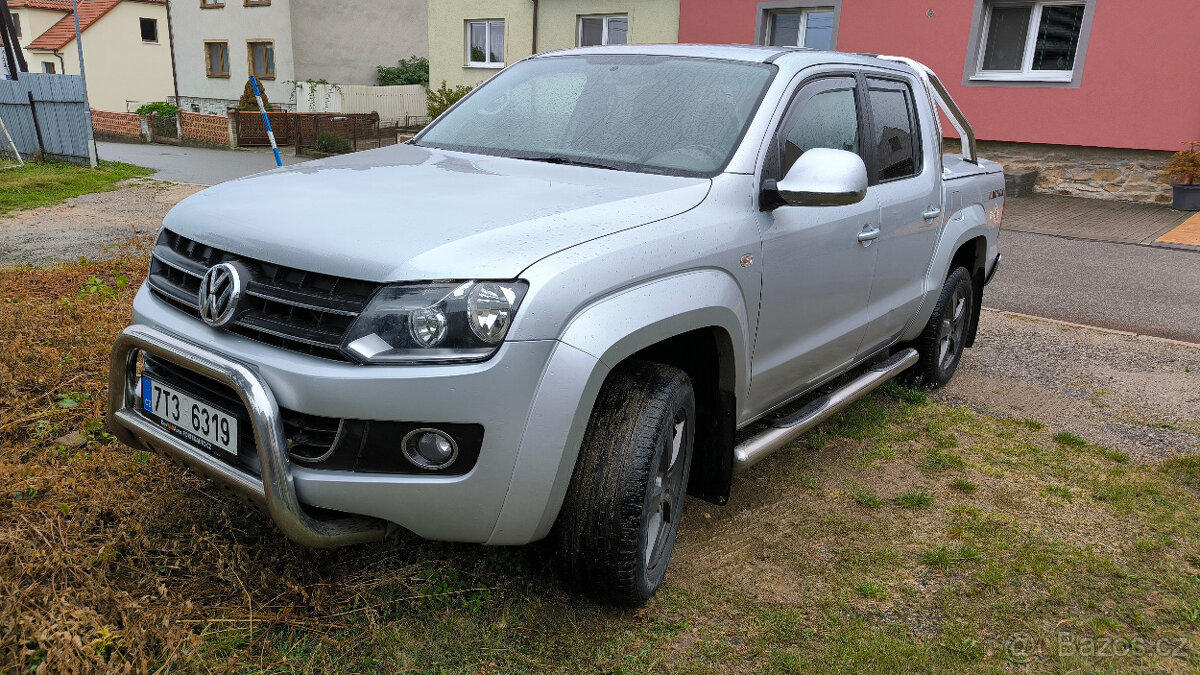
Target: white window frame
[
  {"x": 487, "y": 44},
  {"x": 803, "y": 12},
  {"x": 604, "y": 30},
  {"x": 1027, "y": 73}
]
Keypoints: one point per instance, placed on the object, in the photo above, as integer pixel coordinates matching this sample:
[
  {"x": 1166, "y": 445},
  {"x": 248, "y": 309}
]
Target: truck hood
[{"x": 411, "y": 213}]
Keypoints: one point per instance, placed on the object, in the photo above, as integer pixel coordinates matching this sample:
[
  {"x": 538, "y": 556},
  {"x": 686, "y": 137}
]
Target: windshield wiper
[{"x": 559, "y": 159}]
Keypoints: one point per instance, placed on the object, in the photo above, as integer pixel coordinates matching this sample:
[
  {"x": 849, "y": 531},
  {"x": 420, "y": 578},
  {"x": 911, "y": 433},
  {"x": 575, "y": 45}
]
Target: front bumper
[
  {"x": 276, "y": 492},
  {"x": 532, "y": 400}
]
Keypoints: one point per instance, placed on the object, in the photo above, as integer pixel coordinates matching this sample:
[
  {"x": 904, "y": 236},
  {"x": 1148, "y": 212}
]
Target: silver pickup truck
[{"x": 606, "y": 279}]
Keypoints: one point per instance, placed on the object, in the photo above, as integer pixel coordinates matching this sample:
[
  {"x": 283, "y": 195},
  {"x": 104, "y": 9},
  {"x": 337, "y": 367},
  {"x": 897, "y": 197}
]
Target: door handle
[
  {"x": 932, "y": 213},
  {"x": 869, "y": 233}
]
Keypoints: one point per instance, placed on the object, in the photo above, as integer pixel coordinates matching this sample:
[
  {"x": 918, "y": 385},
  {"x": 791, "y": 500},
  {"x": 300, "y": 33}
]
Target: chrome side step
[{"x": 787, "y": 429}]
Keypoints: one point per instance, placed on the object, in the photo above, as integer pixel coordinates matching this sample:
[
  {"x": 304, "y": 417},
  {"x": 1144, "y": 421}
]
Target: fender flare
[{"x": 596, "y": 339}]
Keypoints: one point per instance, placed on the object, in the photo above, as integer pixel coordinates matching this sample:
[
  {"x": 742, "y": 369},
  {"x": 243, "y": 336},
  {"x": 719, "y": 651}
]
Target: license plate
[{"x": 201, "y": 423}]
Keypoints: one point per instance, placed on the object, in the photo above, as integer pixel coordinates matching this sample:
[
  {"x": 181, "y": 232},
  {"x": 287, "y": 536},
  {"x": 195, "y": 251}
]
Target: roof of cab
[{"x": 747, "y": 53}]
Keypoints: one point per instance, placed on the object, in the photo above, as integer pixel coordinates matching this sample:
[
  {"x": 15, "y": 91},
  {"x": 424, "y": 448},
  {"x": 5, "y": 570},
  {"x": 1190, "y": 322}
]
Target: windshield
[{"x": 670, "y": 115}]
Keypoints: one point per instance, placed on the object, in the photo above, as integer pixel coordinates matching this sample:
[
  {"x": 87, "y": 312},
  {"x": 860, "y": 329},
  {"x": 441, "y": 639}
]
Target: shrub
[
  {"x": 443, "y": 97},
  {"x": 1184, "y": 167},
  {"x": 413, "y": 70},
  {"x": 160, "y": 108},
  {"x": 327, "y": 141},
  {"x": 247, "y": 102}
]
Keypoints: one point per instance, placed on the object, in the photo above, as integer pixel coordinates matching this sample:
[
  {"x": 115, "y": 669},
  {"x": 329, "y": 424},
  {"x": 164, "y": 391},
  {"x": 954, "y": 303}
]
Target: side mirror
[{"x": 823, "y": 177}]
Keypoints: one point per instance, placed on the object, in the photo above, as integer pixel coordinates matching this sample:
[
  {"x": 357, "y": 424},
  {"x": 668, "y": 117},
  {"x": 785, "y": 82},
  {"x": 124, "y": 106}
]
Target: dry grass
[{"x": 116, "y": 561}]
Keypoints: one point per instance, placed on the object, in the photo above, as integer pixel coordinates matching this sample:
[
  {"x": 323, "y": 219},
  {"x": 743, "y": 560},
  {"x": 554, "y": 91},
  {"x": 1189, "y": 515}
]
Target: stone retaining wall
[{"x": 1098, "y": 173}]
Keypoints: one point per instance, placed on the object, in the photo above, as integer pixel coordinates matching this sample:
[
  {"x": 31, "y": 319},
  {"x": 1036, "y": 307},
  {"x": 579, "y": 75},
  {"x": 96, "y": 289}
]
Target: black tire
[
  {"x": 629, "y": 450},
  {"x": 941, "y": 344}
]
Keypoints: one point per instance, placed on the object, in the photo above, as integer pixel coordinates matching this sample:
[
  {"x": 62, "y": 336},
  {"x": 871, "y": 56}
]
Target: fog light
[{"x": 430, "y": 449}]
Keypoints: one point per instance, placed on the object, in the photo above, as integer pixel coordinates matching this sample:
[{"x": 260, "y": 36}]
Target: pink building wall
[{"x": 1141, "y": 77}]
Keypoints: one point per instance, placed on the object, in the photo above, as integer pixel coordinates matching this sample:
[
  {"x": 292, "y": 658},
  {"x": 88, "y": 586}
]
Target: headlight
[{"x": 435, "y": 322}]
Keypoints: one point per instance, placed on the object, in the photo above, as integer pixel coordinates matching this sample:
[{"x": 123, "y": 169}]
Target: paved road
[
  {"x": 202, "y": 166},
  {"x": 1147, "y": 290}
]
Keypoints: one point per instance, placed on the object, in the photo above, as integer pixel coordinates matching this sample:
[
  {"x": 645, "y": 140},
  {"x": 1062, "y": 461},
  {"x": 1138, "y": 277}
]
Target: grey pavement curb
[{"x": 1111, "y": 331}]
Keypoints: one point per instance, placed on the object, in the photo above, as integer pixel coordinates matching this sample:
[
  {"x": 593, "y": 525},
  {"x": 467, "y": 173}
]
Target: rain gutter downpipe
[{"x": 535, "y": 17}]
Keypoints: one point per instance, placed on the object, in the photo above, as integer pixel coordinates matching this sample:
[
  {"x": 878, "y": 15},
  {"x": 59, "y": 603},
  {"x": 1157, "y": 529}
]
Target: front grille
[{"x": 297, "y": 310}]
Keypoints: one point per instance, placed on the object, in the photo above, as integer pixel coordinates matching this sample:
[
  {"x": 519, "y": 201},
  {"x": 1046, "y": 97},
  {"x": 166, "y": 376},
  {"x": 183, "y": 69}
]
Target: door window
[
  {"x": 896, "y": 137},
  {"x": 826, "y": 116}
]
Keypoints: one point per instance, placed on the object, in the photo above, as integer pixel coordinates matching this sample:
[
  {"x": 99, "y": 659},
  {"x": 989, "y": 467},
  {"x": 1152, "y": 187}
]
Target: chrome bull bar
[{"x": 276, "y": 491}]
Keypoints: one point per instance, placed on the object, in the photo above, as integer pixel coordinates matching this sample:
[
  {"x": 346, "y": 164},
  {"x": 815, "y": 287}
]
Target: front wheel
[
  {"x": 940, "y": 345},
  {"x": 618, "y": 523}
]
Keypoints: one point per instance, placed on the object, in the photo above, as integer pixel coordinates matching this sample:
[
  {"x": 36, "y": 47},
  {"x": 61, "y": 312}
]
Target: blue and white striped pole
[{"x": 266, "y": 120}]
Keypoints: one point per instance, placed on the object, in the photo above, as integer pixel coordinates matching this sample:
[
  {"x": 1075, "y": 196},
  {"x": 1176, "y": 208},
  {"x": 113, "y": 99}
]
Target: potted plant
[{"x": 1183, "y": 173}]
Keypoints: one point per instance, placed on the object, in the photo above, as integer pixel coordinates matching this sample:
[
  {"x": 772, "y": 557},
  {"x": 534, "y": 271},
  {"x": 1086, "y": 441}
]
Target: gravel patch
[
  {"x": 88, "y": 225},
  {"x": 1136, "y": 394}
]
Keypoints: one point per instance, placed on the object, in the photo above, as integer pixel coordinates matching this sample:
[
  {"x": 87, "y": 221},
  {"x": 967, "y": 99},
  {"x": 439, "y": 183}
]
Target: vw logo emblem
[{"x": 220, "y": 289}]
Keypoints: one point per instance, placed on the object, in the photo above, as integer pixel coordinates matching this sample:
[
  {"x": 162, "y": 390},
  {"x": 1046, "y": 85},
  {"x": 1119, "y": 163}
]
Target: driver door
[{"x": 816, "y": 272}]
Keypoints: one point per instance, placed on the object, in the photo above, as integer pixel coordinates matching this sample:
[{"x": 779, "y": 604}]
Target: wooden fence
[
  {"x": 46, "y": 115},
  {"x": 251, "y": 131}
]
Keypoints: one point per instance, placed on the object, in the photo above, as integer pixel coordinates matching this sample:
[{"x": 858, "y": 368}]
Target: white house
[
  {"x": 218, "y": 44},
  {"x": 126, "y": 47}
]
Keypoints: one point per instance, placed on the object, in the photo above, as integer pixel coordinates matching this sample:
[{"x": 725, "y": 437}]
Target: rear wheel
[
  {"x": 618, "y": 524},
  {"x": 941, "y": 343}
]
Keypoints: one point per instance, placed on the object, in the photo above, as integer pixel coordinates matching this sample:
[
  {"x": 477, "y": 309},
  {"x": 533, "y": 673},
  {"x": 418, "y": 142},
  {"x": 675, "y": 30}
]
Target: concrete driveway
[{"x": 202, "y": 166}]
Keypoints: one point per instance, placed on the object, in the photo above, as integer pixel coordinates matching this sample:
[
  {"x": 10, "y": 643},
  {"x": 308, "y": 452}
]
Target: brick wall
[
  {"x": 128, "y": 125},
  {"x": 1098, "y": 173},
  {"x": 204, "y": 128}
]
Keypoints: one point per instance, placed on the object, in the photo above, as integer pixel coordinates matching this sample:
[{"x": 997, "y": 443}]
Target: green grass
[
  {"x": 936, "y": 460},
  {"x": 867, "y": 499},
  {"x": 943, "y": 557},
  {"x": 963, "y": 485},
  {"x": 1186, "y": 469},
  {"x": 914, "y": 500},
  {"x": 1069, "y": 440},
  {"x": 48, "y": 183},
  {"x": 122, "y": 561},
  {"x": 871, "y": 590}
]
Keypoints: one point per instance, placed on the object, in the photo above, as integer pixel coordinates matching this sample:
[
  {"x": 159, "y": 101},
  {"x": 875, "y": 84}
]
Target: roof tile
[
  {"x": 57, "y": 5},
  {"x": 57, "y": 36}
]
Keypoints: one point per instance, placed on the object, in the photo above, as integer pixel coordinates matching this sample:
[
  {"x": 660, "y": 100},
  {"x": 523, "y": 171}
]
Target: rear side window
[{"x": 896, "y": 136}]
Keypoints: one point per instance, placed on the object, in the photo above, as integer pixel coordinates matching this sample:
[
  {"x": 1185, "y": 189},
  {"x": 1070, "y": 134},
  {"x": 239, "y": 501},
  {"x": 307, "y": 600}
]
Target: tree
[
  {"x": 413, "y": 70},
  {"x": 247, "y": 102}
]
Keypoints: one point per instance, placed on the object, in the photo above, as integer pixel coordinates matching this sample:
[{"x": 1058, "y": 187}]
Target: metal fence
[
  {"x": 324, "y": 132},
  {"x": 46, "y": 115},
  {"x": 163, "y": 126},
  {"x": 335, "y": 134}
]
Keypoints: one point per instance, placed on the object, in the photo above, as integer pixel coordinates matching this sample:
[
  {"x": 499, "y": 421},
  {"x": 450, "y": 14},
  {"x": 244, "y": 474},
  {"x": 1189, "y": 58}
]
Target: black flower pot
[{"x": 1187, "y": 197}]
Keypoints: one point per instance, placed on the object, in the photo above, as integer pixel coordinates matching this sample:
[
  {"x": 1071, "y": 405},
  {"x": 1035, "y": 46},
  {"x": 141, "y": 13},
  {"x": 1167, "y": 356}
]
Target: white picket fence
[{"x": 394, "y": 104}]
